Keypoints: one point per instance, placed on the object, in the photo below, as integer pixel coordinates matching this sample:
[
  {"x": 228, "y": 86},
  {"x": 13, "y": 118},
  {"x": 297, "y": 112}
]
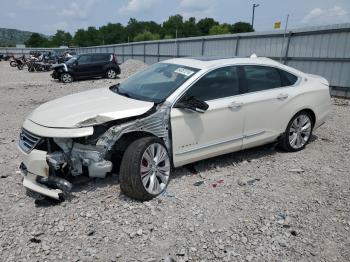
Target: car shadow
[
  {"x": 97, "y": 78},
  {"x": 84, "y": 184},
  {"x": 90, "y": 184}
]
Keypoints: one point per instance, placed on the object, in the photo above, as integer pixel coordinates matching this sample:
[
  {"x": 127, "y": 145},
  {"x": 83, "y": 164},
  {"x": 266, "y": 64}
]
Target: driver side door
[
  {"x": 83, "y": 67},
  {"x": 219, "y": 129}
]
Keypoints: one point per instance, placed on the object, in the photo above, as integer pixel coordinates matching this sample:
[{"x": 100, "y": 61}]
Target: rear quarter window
[
  {"x": 101, "y": 57},
  {"x": 288, "y": 79}
]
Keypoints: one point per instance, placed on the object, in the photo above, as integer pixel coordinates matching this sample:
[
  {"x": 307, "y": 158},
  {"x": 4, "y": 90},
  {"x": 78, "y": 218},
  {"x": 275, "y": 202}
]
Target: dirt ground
[{"x": 257, "y": 205}]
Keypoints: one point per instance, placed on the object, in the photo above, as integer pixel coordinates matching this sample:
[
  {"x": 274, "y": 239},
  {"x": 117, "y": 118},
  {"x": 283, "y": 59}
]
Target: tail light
[{"x": 114, "y": 58}]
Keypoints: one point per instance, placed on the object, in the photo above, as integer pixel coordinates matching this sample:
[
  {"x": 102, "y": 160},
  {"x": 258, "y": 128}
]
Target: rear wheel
[
  {"x": 298, "y": 132},
  {"x": 66, "y": 78},
  {"x": 145, "y": 169},
  {"x": 111, "y": 73}
]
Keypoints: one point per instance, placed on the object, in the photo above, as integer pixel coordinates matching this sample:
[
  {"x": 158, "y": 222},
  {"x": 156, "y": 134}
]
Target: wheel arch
[
  {"x": 309, "y": 111},
  {"x": 123, "y": 143}
]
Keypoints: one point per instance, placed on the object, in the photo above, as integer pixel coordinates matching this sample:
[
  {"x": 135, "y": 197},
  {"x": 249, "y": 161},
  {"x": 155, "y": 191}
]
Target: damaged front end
[{"x": 50, "y": 162}]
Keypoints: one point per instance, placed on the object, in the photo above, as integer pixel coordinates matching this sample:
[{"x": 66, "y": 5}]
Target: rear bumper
[{"x": 118, "y": 70}]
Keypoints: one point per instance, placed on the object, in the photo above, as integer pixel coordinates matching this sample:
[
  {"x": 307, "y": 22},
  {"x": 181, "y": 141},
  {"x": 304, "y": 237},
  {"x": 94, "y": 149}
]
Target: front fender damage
[
  {"x": 75, "y": 156},
  {"x": 156, "y": 124}
]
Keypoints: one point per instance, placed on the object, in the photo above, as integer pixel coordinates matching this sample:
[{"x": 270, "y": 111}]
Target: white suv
[{"x": 173, "y": 113}]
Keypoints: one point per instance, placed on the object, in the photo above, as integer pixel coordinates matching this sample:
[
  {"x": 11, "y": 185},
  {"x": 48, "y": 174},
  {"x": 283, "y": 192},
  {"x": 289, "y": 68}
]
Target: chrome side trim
[
  {"x": 209, "y": 145},
  {"x": 220, "y": 142},
  {"x": 254, "y": 134}
]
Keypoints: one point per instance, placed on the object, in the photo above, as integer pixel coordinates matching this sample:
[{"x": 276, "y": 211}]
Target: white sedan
[{"x": 173, "y": 113}]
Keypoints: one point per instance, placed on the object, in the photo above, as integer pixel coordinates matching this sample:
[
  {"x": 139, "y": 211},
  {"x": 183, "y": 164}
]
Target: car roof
[
  {"x": 96, "y": 54},
  {"x": 206, "y": 62}
]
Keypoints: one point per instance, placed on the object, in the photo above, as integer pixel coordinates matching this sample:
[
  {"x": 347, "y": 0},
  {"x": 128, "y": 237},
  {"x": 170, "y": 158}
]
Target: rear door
[
  {"x": 98, "y": 63},
  {"x": 218, "y": 130},
  {"x": 268, "y": 92}
]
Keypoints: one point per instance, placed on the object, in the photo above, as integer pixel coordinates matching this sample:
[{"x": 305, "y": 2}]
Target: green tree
[
  {"x": 112, "y": 33},
  {"x": 219, "y": 30},
  {"x": 146, "y": 36},
  {"x": 205, "y": 24},
  {"x": 79, "y": 38},
  {"x": 132, "y": 29},
  {"x": 190, "y": 28},
  {"x": 61, "y": 38},
  {"x": 168, "y": 36},
  {"x": 36, "y": 40},
  {"x": 174, "y": 26},
  {"x": 242, "y": 27}
]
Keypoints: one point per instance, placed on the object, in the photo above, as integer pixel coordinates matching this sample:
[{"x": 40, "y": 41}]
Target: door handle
[
  {"x": 282, "y": 96},
  {"x": 235, "y": 105}
]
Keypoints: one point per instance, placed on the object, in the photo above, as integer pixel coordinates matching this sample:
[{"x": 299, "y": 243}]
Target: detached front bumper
[
  {"x": 55, "y": 75},
  {"x": 34, "y": 167},
  {"x": 30, "y": 182}
]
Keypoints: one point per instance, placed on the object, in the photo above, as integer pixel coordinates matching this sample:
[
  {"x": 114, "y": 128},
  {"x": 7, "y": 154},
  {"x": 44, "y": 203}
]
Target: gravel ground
[{"x": 256, "y": 205}]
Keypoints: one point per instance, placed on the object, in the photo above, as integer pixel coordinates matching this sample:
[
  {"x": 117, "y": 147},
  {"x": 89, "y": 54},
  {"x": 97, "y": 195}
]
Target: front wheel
[
  {"x": 111, "y": 74},
  {"x": 13, "y": 64},
  {"x": 298, "y": 132},
  {"x": 66, "y": 78},
  {"x": 145, "y": 169}
]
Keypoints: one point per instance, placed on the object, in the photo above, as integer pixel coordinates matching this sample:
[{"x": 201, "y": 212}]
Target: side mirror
[{"x": 193, "y": 104}]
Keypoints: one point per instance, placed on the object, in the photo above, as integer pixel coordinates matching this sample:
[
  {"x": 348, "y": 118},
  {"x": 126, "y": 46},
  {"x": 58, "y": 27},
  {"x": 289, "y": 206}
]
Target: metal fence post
[
  {"x": 132, "y": 51},
  {"x": 123, "y": 58},
  {"x": 237, "y": 45},
  {"x": 202, "y": 47},
  {"x": 177, "y": 48},
  {"x": 144, "y": 52},
  {"x": 158, "y": 52}
]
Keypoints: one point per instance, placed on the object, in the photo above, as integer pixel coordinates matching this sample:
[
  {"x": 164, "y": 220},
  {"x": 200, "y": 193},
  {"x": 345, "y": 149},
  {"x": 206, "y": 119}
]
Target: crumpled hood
[{"x": 87, "y": 108}]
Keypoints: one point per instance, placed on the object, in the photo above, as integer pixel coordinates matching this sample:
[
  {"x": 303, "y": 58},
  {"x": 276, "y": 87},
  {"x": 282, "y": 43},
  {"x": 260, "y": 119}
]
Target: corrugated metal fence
[{"x": 322, "y": 50}]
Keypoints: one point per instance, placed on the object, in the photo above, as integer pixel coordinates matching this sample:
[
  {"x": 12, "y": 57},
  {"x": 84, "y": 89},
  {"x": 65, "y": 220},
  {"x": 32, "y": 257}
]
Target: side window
[
  {"x": 84, "y": 59},
  {"x": 261, "y": 78},
  {"x": 288, "y": 79},
  {"x": 219, "y": 83},
  {"x": 101, "y": 57}
]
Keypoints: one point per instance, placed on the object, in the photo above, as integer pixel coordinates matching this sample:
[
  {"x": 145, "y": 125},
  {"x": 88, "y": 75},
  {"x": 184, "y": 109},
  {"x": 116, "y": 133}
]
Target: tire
[
  {"x": 66, "y": 78},
  {"x": 136, "y": 156},
  {"x": 298, "y": 132},
  {"x": 13, "y": 64},
  {"x": 111, "y": 73}
]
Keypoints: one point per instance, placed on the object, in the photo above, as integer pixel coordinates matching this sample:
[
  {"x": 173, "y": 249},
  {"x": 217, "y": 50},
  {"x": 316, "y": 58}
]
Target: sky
[{"x": 46, "y": 16}]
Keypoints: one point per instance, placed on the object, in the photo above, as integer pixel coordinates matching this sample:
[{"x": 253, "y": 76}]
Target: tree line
[{"x": 134, "y": 31}]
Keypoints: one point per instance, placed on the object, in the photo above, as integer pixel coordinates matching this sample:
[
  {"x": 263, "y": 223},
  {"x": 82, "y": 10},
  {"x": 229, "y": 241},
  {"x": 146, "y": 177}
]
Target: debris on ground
[{"x": 198, "y": 183}]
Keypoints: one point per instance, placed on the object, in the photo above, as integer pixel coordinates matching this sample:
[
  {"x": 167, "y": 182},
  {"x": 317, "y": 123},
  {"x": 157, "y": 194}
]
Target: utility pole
[
  {"x": 284, "y": 37},
  {"x": 254, "y": 6}
]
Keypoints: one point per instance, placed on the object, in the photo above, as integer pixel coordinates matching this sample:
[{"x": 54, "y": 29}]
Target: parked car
[
  {"x": 87, "y": 66},
  {"x": 173, "y": 113}
]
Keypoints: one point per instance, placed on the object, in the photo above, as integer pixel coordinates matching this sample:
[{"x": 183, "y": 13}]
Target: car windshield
[{"x": 155, "y": 83}]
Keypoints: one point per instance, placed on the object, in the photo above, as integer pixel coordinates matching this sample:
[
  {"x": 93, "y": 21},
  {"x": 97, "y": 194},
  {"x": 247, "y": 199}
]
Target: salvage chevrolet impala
[{"x": 173, "y": 113}]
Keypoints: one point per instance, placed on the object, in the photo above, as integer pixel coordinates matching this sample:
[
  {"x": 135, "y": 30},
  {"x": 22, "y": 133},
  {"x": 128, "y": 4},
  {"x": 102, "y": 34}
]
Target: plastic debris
[{"x": 198, "y": 183}]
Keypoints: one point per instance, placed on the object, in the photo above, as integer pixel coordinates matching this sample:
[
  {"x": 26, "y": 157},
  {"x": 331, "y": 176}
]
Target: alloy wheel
[
  {"x": 300, "y": 131},
  {"x": 111, "y": 73},
  {"x": 67, "y": 78},
  {"x": 155, "y": 168}
]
